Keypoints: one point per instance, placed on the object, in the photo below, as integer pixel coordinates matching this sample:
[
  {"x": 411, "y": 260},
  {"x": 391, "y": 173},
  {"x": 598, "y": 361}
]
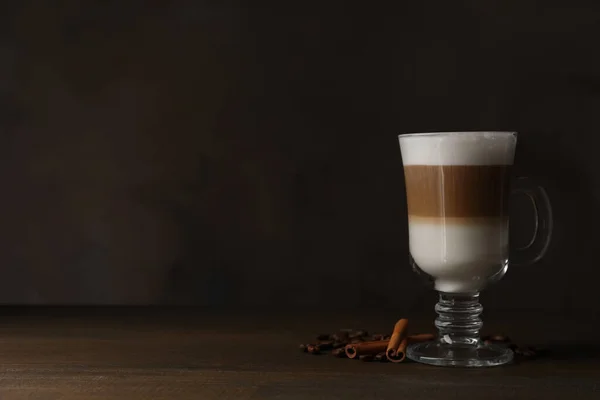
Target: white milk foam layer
[
  {"x": 461, "y": 257},
  {"x": 458, "y": 148}
]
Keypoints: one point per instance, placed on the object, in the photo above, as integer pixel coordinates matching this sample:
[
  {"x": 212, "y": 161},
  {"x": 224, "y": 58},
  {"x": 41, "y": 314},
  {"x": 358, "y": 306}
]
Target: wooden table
[{"x": 91, "y": 353}]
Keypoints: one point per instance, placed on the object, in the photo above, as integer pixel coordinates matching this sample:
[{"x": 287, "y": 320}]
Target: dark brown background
[{"x": 228, "y": 155}]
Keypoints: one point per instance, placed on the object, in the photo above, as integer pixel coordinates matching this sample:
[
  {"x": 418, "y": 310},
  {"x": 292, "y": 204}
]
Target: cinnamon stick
[
  {"x": 397, "y": 337},
  {"x": 355, "y": 350},
  {"x": 420, "y": 337},
  {"x": 399, "y": 354}
]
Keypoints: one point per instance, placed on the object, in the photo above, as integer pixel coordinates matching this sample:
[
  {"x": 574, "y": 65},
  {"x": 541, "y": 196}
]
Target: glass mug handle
[{"x": 537, "y": 246}]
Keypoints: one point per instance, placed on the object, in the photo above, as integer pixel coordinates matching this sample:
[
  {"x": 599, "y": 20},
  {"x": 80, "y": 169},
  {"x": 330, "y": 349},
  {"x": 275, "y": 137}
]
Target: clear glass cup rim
[{"x": 456, "y": 133}]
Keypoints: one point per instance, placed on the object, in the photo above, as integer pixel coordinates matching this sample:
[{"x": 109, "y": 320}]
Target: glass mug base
[{"x": 449, "y": 355}]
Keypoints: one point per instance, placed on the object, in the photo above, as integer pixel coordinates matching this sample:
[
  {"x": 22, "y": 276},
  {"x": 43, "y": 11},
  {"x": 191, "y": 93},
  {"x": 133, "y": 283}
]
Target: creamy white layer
[
  {"x": 458, "y": 148},
  {"x": 461, "y": 255}
]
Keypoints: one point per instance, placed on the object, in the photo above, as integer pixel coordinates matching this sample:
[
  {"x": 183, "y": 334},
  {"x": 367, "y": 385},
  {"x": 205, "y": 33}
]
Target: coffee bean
[
  {"x": 323, "y": 346},
  {"x": 337, "y": 345},
  {"x": 340, "y": 352},
  {"x": 360, "y": 333},
  {"x": 313, "y": 349},
  {"x": 340, "y": 336}
]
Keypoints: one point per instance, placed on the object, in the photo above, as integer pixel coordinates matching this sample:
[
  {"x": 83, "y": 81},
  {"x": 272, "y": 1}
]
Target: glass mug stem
[
  {"x": 458, "y": 320},
  {"x": 458, "y": 343}
]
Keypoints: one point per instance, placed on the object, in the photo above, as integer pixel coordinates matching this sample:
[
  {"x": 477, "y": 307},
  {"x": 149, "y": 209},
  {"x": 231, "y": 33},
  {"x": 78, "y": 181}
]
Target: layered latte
[{"x": 457, "y": 194}]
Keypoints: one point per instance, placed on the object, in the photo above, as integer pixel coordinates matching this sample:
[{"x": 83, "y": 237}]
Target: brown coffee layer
[
  {"x": 457, "y": 191},
  {"x": 465, "y": 221}
]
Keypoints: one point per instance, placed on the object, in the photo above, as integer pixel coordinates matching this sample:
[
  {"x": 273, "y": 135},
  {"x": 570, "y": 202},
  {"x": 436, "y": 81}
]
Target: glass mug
[{"x": 457, "y": 188}]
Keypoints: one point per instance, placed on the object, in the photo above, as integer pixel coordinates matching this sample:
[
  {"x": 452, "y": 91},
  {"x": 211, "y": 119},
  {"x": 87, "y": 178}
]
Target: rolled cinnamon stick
[
  {"x": 355, "y": 350},
  {"x": 397, "y": 337},
  {"x": 399, "y": 354},
  {"x": 420, "y": 337}
]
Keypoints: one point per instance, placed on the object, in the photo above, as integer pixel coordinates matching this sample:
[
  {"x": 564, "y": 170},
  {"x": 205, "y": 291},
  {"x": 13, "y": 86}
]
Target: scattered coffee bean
[
  {"x": 323, "y": 346},
  {"x": 498, "y": 338},
  {"x": 361, "y": 333},
  {"x": 341, "y": 336},
  {"x": 340, "y": 352},
  {"x": 313, "y": 349},
  {"x": 527, "y": 352}
]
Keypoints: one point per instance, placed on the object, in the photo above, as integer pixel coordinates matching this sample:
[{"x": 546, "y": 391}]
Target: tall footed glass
[{"x": 458, "y": 186}]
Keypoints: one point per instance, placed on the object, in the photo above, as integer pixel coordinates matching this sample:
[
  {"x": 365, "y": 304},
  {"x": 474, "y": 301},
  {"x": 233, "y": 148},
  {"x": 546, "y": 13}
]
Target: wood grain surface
[{"x": 188, "y": 354}]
